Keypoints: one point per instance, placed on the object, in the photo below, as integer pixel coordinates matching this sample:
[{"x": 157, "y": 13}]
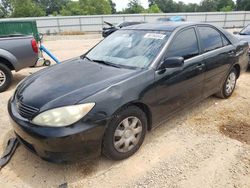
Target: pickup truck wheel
[
  {"x": 229, "y": 85},
  {"x": 5, "y": 77},
  {"x": 125, "y": 133}
]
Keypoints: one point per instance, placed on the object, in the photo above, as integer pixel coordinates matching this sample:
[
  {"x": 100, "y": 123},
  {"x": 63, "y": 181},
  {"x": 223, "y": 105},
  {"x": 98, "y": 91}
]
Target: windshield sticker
[{"x": 154, "y": 36}]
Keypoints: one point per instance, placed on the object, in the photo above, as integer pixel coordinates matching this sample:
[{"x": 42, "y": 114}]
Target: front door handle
[{"x": 200, "y": 67}]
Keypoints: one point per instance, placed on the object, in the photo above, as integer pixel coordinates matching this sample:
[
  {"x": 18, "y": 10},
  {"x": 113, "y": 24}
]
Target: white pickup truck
[{"x": 16, "y": 52}]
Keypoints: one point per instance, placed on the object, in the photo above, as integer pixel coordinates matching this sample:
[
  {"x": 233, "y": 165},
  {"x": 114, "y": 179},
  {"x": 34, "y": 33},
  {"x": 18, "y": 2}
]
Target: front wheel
[
  {"x": 229, "y": 85},
  {"x": 125, "y": 133},
  {"x": 5, "y": 77}
]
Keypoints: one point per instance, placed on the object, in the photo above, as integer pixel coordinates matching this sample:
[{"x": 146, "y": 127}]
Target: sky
[{"x": 121, "y": 4}]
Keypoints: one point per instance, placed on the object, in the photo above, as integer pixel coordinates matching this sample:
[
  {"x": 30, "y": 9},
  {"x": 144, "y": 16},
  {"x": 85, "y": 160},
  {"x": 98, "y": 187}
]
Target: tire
[
  {"x": 230, "y": 81},
  {"x": 5, "y": 77},
  {"x": 47, "y": 63},
  {"x": 120, "y": 142}
]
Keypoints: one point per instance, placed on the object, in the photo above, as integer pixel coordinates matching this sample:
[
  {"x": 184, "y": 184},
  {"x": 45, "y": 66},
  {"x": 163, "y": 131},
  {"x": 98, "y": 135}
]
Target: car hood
[{"x": 69, "y": 83}]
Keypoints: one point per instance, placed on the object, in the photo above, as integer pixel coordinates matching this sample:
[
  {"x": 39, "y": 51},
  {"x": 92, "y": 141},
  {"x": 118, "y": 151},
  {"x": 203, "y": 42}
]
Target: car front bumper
[{"x": 79, "y": 141}]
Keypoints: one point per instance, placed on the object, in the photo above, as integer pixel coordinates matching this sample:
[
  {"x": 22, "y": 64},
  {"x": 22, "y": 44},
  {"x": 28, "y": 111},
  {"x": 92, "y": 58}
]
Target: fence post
[
  {"x": 58, "y": 25},
  {"x": 206, "y": 17},
  {"x": 80, "y": 23},
  {"x": 245, "y": 17},
  {"x": 225, "y": 19},
  {"x": 102, "y": 22}
]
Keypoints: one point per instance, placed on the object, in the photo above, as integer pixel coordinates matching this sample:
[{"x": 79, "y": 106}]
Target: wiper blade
[
  {"x": 84, "y": 56},
  {"x": 106, "y": 63}
]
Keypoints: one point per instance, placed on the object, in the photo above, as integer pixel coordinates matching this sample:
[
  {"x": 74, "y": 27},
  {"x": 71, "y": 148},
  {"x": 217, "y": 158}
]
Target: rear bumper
[{"x": 79, "y": 141}]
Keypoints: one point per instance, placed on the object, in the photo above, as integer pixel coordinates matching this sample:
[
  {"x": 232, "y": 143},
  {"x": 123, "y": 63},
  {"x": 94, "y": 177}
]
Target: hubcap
[
  {"x": 231, "y": 81},
  {"x": 2, "y": 78},
  {"x": 127, "y": 134}
]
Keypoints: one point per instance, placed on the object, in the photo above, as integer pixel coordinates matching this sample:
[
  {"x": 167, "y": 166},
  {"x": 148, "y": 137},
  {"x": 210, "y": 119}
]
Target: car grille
[{"x": 26, "y": 111}]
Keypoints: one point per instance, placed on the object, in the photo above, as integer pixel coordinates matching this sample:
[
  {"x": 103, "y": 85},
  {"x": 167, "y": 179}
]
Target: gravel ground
[{"x": 205, "y": 145}]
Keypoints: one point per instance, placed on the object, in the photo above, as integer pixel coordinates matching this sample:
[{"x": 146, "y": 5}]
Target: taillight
[{"x": 34, "y": 45}]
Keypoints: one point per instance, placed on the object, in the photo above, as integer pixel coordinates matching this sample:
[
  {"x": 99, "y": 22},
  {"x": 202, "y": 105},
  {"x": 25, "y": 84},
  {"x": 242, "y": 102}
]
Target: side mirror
[
  {"x": 172, "y": 62},
  {"x": 235, "y": 32}
]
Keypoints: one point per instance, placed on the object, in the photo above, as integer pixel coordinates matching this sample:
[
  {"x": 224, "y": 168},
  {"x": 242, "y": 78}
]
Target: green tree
[
  {"x": 208, "y": 6},
  {"x": 5, "y": 8},
  {"x": 95, "y": 7},
  {"x": 225, "y": 5},
  {"x": 166, "y": 5},
  {"x": 113, "y": 6},
  {"x": 151, "y": 2},
  {"x": 86, "y": 7},
  {"x": 226, "y": 9},
  {"x": 243, "y": 5},
  {"x": 72, "y": 8},
  {"x": 154, "y": 9},
  {"x": 134, "y": 7},
  {"x": 26, "y": 8},
  {"x": 191, "y": 7},
  {"x": 180, "y": 6},
  {"x": 52, "y": 6}
]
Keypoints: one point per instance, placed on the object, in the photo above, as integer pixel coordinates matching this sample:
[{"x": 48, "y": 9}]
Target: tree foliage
[
  {"x": 86, "y": 7},
  {"x": 154, "y": 9},
  {"x": 26, "y": 8},
  {"x": 113, "y": 6},
  {"x": 134, "y": 7},
  {"x": 5, "y": 8},
  {"x": 32, "y": 8},
  {"x": 243, "y": 5},
  {"x": 52, "y": 6},
  {"x": 204, "y": 6}
]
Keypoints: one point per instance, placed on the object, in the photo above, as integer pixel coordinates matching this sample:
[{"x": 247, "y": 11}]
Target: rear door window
[
  {"x": 210, "y": 38},
  {"x": 184, "y": 45}
]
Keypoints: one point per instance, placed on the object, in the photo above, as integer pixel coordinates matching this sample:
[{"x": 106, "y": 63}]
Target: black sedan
[
  {"x": 106, "y": 31},
  {"x": 106, "y": 100}
]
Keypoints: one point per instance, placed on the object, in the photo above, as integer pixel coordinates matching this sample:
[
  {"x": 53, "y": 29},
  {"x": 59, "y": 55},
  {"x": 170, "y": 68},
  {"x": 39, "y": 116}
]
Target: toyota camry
[{"x": 106, "y": 100}]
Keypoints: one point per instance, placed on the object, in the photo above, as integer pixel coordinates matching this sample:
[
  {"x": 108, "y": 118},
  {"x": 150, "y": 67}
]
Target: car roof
[{"x": 167, "y": 26}]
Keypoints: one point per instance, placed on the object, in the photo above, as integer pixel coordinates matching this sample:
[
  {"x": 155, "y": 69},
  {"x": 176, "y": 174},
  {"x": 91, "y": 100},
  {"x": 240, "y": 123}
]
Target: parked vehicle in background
[
  {"x": 112, "y": 28},
  {"x": 244, "y": 35},
  {"x": 127, "y": 84},
  {"x": 16, "y": 52},
  {"x": 172, "y": 19}
]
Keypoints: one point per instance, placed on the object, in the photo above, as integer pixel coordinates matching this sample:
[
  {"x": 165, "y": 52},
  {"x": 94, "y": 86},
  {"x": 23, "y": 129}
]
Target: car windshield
[
  {"x": 245, "y": 31},
  {"x": 129, "y": 48}
]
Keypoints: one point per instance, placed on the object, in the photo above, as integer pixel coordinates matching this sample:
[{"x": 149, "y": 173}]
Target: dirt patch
[{"x": 237, "y": 130}]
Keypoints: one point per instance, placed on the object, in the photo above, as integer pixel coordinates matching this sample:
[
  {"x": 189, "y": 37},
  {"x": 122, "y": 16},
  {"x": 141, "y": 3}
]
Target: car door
[
  {"x": 178, "y": 87},
  {"x": 218, "y": 56}
]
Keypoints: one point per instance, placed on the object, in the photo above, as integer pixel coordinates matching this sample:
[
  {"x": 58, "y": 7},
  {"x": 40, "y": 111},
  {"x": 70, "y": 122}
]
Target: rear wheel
[
  {"x": 229, "y": 85},
  {"x": 5, "y": 77},
  {"x": 125, "y": 133}
]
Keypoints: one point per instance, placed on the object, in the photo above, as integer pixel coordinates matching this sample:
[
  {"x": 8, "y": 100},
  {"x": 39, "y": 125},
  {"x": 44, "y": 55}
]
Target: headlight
[{"x": 64, "y": 116}]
